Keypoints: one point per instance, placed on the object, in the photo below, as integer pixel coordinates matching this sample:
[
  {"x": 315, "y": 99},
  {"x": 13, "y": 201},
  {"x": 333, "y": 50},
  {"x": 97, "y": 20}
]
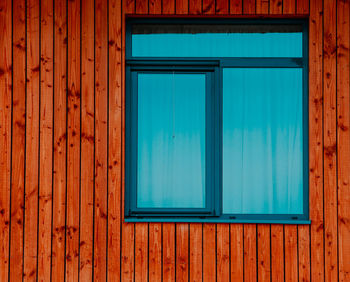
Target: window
[{"x": 216, "y": 120}]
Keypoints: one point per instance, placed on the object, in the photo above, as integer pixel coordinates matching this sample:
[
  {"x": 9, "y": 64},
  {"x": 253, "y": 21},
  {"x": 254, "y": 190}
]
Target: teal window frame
[{"x": 213, "y": 68}]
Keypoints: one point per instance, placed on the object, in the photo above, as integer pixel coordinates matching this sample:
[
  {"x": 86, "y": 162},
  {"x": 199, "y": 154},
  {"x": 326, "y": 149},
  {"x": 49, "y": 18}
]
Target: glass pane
[
  {"x": 171, "y": 140},
  {"x": 217, "y": 40},
  {"x": 262, "y": 141}
]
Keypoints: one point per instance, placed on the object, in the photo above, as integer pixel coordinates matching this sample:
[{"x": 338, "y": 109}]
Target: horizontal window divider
[
  {"x": 262, "y": 62},
  {"x": 159, "y": 212},
  {"x": 173, "y": 62}
]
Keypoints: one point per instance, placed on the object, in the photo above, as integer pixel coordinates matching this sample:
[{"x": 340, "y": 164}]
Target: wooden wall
[{"x": 61, "y": 154}]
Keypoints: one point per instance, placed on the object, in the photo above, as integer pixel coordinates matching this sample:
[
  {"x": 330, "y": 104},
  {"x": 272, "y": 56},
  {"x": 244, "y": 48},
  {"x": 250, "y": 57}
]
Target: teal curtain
[
  {"x": 262, "y": 141},
  {"x": 171, "y": 140}
]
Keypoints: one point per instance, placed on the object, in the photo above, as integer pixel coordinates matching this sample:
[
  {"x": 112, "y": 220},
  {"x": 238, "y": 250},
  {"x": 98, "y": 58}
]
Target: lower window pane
[
  {"x": 262, "y": 141},
  {"x": 171, "y": 140}
]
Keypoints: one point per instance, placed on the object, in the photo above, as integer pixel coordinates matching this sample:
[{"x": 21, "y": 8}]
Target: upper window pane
[
  {"x": 200, "y": 40},
  {"x": 171, "y": 140}
]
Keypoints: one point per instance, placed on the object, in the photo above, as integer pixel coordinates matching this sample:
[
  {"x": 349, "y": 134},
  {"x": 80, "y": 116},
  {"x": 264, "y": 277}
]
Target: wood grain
[
  {"x": 223, "y": 252},
  {"x": 5, "y": 133},
  {"x": 277, "y": 253},
  {"x": 290, "y": 252},
  {"x": 168, "y": 252},
  {"x": 141, "y": 251},
  {"x": 236, "y": 250},
  {"x": 196, "y": 251},
  {"x": 155, "y": 251},
  {"x": 264, "y": 254},
  {"x": 209, "y": 252},
  {"x": 182, "y": 259},
  {"x": 249, "y": 252}
]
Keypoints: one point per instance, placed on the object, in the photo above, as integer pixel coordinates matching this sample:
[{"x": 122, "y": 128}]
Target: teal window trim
[{"x": 213, "y": 66}]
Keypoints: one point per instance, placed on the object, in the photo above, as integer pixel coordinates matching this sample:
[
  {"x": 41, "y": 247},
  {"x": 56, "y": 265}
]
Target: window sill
[{"x": 206, "y": 220}]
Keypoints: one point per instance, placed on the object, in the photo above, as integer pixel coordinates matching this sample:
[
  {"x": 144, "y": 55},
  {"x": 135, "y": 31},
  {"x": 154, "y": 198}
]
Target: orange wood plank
[
  {"x": 73, "y": 149},
  {"x": 18, "y": 140},
  {"x": 195, "y": 7},
  {"x": 249, "y": 7},
  {"x": 129, "y": 6},
  {"x": 302, "y": 7},
  {"x": 209, "y": 256},
  {"x": 236, "y": 237},
  {"x": 236, "y": 7},
  {"x": 181, "y": 7},
  {"x": 223, "y": 252},
  {"x": 315, "y": 140},
  {"x": 5, "y": 133},
  {"x": 128, "y": 229},
  {"x": 141, "y": 6},
  {"x": 155, "y": 252},
  {"x": 168, "y": 252},
  {"x": 182, "y": 252},
  {"x": 330, "y": 139},
  {"x": 101, "y": 144},
  {"x": 141, "y": 251},
  {"x": 276, "y": 7},
  {"x": 222, "y": 7},
  {"x": 289, "y": 6},
  {"x": 46, "y": 144},
  {"x": 168, "y": 7},
  {"x": 264, "y": 254},
  {"x": 343, "y": 148},
  {"x": 262, "y": 6},
  {"x": 277, "y": 249},
  {"x": 155, "y": 7},
  {"x": 87, "y": 141},
  {"x": 304, "y": 252},
  {"x": 60, "y": 136},
  {"x": 196, "y": 245},
  {"x": 32, "y": 142},
  {"x": 250, "y": 252},
  {"x": 115, "y": 140},
  {"x": 208, "y": 7},
  {"x": 291, "y": 253}
]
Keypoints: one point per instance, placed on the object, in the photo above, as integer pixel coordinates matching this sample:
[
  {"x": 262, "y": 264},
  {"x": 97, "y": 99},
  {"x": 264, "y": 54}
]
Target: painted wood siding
[{"x": 62, "y": 153}]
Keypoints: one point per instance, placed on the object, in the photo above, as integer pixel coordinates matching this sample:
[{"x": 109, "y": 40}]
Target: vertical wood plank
[
  {"x": 195, "y": 7},
  {"x": 236, "y": 249},
  {"x": 60, "y": 137},
  {"x": 155, "y": 7},
  {"x": 87, "y": 141},
  {"x": 249, "y": 7},
  {"x": 315, "y": 140},
  {"x": 18, "y": 139},
  {"x": 209, "y": 249},
  {"x": 223, "y": 252},
  {"x": 181, "y": 7},
  {"x": 330, "y": 139},
  {"x": 141, "y": 7},
  {"x": 304, "y": 252},
  {"x": 196, "y": 245},
  {"x": 289, "y": 6},
  {"x": 5, "y": 133},
  {"x": 182, "y": 252},
  {"x": 155, "y": 252},
  {"x": 291, "y": 252},
  {"x": 128, "y": 229},
  {"x": 250, "y": 252},
  {"x": 302, "y": 7},
  {"x": 208, "y": 7},
  {"x": 115, "y": 140},
  {"x": 168, "y": 7},
  {"x": 262, "y": 6},
  {"x": 73, "y": 141},
  {"x": 222, "y": 7},
  {"x": 277, "y": 249},
  {"x": 141, "y": 251},
  {"x": 276, "y": 7},
  {"x": 168, "y": 252},
  {"x": 236, "y": 7},
  {"x": 101, "y": 112},
  {"x": 32, "y": 142},
  {"x": 343, "y": 148},
  {"x": 46, "y": 142},
  {"x": 264, "y": 254}
]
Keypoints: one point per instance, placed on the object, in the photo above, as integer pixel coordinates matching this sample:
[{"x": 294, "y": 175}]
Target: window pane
[
  {"x": 217, "y": 40},
  {"x": 262, "y": 141},
  {"x": 171, "y": 140}
]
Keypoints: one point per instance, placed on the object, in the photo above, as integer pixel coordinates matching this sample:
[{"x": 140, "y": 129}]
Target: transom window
[{"x": 216, "y": 120}]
